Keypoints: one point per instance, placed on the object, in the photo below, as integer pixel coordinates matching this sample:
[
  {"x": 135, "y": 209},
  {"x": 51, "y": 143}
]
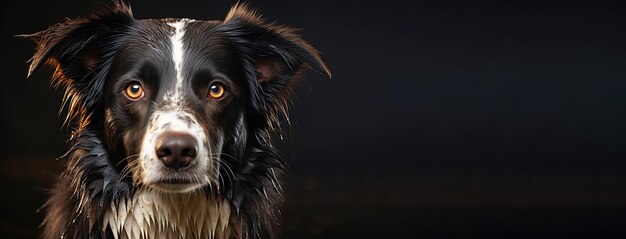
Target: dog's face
[
  {"x": 175, "y": 98},
  {"x": 172, "y": 97}
]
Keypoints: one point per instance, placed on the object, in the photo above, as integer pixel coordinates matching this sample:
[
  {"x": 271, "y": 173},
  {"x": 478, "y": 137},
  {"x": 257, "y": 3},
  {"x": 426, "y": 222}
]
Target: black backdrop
[{"x": 447, "y": 119}]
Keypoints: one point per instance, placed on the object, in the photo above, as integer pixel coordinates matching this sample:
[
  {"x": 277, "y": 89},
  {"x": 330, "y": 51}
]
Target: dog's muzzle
[{"x": 175, "y": 153}]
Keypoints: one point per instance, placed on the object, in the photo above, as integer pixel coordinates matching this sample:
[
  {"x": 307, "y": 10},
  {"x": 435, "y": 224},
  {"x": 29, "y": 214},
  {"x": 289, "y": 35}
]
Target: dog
[{"x": 172, "y": 123}]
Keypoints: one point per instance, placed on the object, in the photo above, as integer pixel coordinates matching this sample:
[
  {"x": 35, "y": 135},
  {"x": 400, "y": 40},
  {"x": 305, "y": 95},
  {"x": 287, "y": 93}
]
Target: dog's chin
[
  {"x": 175, "y": 183},
  {"x": 176, "y": 187}
]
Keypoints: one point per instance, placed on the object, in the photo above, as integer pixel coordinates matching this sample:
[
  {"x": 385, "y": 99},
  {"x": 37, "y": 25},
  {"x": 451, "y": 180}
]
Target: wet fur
[{"x": 96, "y": 181}]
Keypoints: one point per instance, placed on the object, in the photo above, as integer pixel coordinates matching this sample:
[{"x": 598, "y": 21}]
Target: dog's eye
[
  {"x": 134, "y": 91},
  {"x": 216, "y": 91}
]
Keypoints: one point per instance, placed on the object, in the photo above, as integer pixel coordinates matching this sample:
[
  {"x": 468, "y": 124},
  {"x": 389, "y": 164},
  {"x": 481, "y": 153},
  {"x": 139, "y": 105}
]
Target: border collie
[{"x": 171, "y": 123}]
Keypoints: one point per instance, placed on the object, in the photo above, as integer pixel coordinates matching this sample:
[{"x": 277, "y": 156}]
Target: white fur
[{"x": 155, "y": 214}]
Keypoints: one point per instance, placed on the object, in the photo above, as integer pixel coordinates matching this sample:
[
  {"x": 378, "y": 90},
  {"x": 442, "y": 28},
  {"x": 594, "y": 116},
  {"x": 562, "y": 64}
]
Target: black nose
[{"x": 176, "y": 150}]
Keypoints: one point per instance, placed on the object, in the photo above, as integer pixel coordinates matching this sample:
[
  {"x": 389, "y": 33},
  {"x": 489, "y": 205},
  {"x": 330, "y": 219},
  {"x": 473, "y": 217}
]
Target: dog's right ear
[{"x": 81, "y": 50}]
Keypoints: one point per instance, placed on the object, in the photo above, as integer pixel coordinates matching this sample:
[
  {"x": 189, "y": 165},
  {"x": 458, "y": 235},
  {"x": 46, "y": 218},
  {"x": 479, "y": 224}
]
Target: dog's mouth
[{"x": 177, "y": 182}]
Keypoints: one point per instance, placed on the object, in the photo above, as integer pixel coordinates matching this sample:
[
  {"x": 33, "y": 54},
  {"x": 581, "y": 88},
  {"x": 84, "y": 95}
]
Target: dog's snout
[{"x": 176, "y": 150}]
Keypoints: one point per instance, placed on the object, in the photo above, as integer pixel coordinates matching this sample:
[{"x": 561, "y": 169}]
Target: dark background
[{"x": 442, "y": 120}]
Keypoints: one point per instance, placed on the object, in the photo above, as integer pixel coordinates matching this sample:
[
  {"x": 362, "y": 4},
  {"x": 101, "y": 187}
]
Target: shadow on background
[{"x": 442, "y": 120}]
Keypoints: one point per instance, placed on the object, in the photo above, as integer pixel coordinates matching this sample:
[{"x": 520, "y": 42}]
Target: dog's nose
[{"x": 176, "y": 150}]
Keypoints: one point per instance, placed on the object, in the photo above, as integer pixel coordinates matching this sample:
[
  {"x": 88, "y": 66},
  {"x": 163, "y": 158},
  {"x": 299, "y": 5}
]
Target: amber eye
[
  {"x": 134, "y": 91},
  {"x": 216, "y": 91}
]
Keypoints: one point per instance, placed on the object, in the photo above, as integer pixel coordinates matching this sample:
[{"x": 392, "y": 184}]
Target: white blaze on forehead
[{"x": 175, "y": 98}]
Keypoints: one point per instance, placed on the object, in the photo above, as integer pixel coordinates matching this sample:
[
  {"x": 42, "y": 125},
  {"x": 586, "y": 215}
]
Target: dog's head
[{"x": 174, "y": 98}]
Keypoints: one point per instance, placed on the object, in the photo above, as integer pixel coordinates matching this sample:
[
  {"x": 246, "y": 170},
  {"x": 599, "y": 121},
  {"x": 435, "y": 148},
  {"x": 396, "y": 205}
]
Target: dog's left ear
[{"x": 274, "y": 58}]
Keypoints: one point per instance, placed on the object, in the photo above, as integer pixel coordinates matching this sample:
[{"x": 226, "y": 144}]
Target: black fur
[{"x": 85, "y": 51}]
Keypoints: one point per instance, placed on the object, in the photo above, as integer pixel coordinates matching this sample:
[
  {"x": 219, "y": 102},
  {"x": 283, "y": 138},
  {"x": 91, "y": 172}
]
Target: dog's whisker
[
  {"x": 125, "y": 172},
  {"x": 230, "y": 174},
  {"x": 127, "y": 158}
]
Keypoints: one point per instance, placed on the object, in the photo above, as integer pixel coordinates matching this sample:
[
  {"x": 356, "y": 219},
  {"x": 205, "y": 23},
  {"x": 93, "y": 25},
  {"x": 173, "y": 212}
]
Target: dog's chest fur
[{"x": 153, "y": 214}]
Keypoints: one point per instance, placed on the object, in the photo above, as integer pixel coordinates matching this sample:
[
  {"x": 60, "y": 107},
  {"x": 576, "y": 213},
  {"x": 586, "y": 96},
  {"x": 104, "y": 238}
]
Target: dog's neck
[{"x": 154, "y": 214}]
